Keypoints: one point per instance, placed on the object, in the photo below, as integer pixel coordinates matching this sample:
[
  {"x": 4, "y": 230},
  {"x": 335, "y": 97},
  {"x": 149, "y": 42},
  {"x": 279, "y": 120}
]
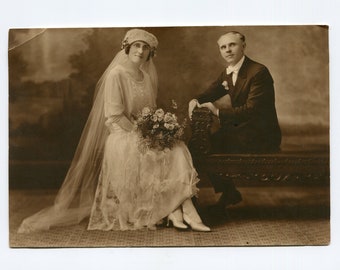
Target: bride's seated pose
[{"x": 110, "y": 180}]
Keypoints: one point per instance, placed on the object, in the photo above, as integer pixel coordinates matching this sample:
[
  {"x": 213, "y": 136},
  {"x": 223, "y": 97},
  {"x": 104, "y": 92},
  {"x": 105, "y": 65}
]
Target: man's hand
[
  {"x": 210, "y": 106},
  {"x": 192, "y": 105}
]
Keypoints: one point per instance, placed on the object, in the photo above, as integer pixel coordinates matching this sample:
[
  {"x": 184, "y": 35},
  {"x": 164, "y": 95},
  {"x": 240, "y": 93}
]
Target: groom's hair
[{"x": 241, "y": 36}]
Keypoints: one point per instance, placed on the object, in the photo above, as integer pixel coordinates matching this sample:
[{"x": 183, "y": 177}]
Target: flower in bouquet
[
  {"x": 159, "y": 113},
  {"x": 158, "y": 129},
  {"x": 146, "y": 111}
]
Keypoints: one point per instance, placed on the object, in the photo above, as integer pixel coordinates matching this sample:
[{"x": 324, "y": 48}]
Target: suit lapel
[{"x": 241, "y": 79}]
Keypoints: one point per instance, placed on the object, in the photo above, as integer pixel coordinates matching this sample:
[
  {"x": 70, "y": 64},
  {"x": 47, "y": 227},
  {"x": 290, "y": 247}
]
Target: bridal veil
[{"x": 75, "y": 197}]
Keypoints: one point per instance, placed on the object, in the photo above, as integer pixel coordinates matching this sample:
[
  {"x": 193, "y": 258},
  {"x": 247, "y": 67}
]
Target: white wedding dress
[
  {"x": 136, "y": 189},
  {"x": 109, "y": 179}
]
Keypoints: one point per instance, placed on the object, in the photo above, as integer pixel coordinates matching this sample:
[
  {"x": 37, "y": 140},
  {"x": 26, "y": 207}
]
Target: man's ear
[{"x": 244, "y": 45}]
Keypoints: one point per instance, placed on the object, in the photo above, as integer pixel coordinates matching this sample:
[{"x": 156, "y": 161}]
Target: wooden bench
[{"x": 286, "y": 167}]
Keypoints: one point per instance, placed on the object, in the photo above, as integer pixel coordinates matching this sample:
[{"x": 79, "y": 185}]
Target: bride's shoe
[
  {"x": 176, "y": 223},
  {"x": 196, "y": 226},
  {"x": 192, "y": 218},
  {"x": 176, "y": 218}
]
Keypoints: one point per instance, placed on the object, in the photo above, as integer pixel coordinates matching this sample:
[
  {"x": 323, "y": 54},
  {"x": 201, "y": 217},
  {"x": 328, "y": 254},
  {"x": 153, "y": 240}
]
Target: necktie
[
  {"x": 232, "y": 71},
  {"x": 230, "y": 81}
]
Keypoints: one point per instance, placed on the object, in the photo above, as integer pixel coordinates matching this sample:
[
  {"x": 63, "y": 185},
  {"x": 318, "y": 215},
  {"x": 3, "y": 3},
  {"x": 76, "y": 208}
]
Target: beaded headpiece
[{"x": 141, "y": 35}]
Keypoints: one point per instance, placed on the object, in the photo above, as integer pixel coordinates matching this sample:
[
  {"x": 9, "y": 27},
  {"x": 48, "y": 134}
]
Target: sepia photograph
[{"x": 182, "y": 136}]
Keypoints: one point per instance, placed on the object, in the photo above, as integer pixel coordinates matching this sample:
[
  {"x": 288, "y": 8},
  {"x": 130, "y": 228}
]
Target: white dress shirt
[{"x": 235, "y": 69}]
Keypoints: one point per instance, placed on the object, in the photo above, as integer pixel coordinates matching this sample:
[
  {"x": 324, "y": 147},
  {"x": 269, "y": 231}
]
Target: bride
[{"x": 110, "y": 180}]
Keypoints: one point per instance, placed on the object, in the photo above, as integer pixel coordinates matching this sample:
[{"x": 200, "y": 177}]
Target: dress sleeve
[
  {"x": 113, "y": 95},
  {"x": 114, "y": 102}
]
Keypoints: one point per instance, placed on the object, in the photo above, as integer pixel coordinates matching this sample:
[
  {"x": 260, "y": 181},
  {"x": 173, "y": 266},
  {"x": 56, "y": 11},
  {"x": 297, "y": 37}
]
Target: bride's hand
[{"x": 134, "y": 125}]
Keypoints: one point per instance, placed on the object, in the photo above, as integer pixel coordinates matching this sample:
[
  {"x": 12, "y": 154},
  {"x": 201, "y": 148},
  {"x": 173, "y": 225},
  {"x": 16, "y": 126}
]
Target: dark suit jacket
[{"x": 251, "y": 125}]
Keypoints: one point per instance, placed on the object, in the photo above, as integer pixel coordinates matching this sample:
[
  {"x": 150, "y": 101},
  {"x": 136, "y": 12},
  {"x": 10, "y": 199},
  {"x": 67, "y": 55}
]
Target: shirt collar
[{"x": 236, "y": 67}]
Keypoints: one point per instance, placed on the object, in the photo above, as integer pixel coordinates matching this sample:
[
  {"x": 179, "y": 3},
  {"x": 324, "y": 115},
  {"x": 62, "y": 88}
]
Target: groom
[{"x": 243, "y": 100}]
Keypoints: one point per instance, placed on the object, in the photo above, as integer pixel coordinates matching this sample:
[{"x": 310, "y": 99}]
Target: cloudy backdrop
[{"x": 52, "y": 75}]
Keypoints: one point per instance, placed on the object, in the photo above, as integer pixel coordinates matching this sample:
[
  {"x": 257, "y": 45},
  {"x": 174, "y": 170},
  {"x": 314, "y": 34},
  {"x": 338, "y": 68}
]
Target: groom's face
[{"x": 231, "y": 48}]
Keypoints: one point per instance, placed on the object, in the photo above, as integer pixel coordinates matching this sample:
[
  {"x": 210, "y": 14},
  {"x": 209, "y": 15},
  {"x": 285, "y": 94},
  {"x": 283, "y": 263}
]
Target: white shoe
[
  {"x": 196, "y": 226},
  {"x": 176, "y": 218},
  {"x": 192, "y": 218}
]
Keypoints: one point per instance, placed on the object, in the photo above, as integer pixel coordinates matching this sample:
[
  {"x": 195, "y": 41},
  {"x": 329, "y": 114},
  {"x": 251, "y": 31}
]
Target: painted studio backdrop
[{"x": 53, "y": 72}]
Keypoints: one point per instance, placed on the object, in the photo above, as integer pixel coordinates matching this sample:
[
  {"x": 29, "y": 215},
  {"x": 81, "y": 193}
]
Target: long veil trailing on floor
[{"x": 74, "y": 199}]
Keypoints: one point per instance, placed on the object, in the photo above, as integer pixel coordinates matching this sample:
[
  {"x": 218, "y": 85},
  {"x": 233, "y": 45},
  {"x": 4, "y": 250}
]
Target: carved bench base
[
  {"x": 282, "y": 168},
  {"x": 304, "y": 167}
]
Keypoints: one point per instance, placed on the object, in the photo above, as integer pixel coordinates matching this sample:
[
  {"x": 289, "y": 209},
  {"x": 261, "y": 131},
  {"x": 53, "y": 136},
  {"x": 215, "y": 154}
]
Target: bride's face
[{"x": 139, "y": 52}]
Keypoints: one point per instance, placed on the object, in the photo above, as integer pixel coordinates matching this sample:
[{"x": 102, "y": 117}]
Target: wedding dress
[
  {"x": 137, "y": 189},
  {"x": 110, "y": 180}
]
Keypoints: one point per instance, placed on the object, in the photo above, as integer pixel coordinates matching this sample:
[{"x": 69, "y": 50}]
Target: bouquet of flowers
[{"x": 158, "y": 129}]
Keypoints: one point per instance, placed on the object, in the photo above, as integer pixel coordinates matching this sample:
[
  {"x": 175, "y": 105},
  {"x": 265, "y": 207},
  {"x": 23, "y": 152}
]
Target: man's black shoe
[{"x": 230, "y": 198}]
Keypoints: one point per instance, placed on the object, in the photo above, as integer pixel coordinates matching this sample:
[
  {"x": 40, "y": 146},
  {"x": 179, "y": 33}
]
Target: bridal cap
[{"x": 140, "y": 35}]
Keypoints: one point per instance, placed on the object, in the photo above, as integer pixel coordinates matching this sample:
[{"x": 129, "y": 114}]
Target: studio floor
[{"x": 267, "y": 216}]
